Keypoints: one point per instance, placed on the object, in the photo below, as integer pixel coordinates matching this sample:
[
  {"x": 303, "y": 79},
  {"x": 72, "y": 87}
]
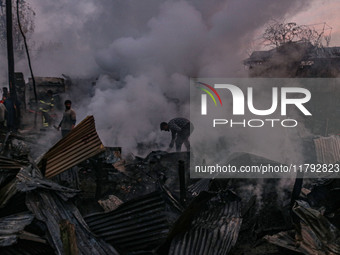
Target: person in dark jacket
[{"x": 181, "y": 129}]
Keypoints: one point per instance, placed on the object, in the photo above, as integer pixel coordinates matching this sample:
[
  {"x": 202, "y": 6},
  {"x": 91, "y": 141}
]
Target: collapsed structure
[
  {"x": 295, "y": 59},
  {"x": 149, "y": 206},
  {"x": 301, "y": 59},
  {"x": 314, "y": 207},
  {"x": 151, "y": 214}
]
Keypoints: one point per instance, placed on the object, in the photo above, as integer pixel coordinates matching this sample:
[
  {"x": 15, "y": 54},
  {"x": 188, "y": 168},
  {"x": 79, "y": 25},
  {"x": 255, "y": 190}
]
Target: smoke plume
[{"x": 143, "y": 53}]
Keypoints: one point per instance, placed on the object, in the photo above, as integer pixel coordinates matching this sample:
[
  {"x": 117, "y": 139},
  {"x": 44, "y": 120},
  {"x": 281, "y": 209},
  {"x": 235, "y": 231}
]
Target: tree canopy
[{"x": 279, "y": 33}]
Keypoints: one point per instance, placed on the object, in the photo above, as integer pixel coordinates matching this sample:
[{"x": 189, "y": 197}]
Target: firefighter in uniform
[{"x": 46, "y": 106}]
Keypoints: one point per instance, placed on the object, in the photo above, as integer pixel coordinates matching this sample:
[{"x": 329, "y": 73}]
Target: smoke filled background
[{"x": 143, "y": 54}]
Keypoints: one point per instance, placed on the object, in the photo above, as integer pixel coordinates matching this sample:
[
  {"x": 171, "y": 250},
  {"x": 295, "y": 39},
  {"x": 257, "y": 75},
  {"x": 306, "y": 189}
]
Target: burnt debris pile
[{"x": 80, "y": 197}]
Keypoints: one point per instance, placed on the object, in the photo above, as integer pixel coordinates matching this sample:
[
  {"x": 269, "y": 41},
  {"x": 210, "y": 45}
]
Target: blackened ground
[
  {"x": 264, "y": 213},
  {"x": 266, "y": 203},
  {"x": 98, "y": 180}
]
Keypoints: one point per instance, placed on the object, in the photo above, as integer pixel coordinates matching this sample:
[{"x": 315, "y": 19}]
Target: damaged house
[
  {"x": 313, "y": 225},
  {"x": 295, "y": 60},
  {"x": 302, "y": 59}
]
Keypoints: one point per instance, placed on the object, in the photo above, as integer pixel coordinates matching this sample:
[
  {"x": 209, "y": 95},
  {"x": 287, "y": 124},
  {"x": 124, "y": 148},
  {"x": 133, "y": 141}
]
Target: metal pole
[
  {"x": 10, "y": 54},
  {"x": 295, "y": 196},
  {"x": 181, "y": 173}
]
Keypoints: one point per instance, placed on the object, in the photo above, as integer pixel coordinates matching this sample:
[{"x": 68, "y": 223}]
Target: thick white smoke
[{"x": 144, "y": 53}]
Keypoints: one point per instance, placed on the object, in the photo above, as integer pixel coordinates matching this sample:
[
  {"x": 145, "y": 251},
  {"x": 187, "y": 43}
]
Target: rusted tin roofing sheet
[
  {"x": 316, "y": 230},
  {"x": 80, "y": 144},
  {"x": 327, "y": 149},
  {"x": 138, "y": 225},
  {"x": 210, "y": 225}
]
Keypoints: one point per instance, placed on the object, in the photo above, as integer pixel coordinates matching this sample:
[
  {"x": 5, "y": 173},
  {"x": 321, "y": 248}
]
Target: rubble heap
[{"x": 82, "y": 198}]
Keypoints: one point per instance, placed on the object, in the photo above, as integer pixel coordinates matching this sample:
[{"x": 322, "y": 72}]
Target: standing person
[
  {"x": 46, "y": 106},
  {"x": 69, "y": 119},
  {"x": 10, "y": 114},
  {"x": 181, "y": 129},
  {"x": 4, "y": 93},
  {"x": 2, "y": 114}
]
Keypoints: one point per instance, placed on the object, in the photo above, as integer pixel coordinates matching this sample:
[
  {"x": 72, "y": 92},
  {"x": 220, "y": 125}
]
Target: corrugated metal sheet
[
  {"x": 7, "y": 192},
  {"x": 317, "y": 234},
  {"x": 139, "y": 224},
  {"x": 11, "y": 226},
  {"x": 30, "y": 178},
  {"x": 7, "y": 163},
  {"x": 316, "y": 230},
  {"x": 24, "y": 247},
  {"x": 286, "y": 239},
  {"x": 80, "y": 144},
  {"x": 47, "y": 206},
  {"x": 210, "y": 225},
  {"x": 6, "y": 176},
  {"x": 327, "y": 149},
  {"x": 199, "y": 186},
  {"x": 48, "y": 202}
]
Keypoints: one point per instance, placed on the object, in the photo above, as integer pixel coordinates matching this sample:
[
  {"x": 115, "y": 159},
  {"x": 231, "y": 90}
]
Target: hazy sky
[
  {"x": 82, "y": 30},
  {"x": 319, "y": 12}
]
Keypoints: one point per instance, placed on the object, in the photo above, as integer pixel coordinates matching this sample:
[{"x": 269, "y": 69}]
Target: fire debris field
[{"x": 82, "y": 198}]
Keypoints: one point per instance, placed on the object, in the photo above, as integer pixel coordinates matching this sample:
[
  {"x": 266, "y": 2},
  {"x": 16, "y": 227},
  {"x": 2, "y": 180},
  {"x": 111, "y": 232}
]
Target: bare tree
[
  {"x": 27, "y": 22},
  {"x": 277, "y": 34}
]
